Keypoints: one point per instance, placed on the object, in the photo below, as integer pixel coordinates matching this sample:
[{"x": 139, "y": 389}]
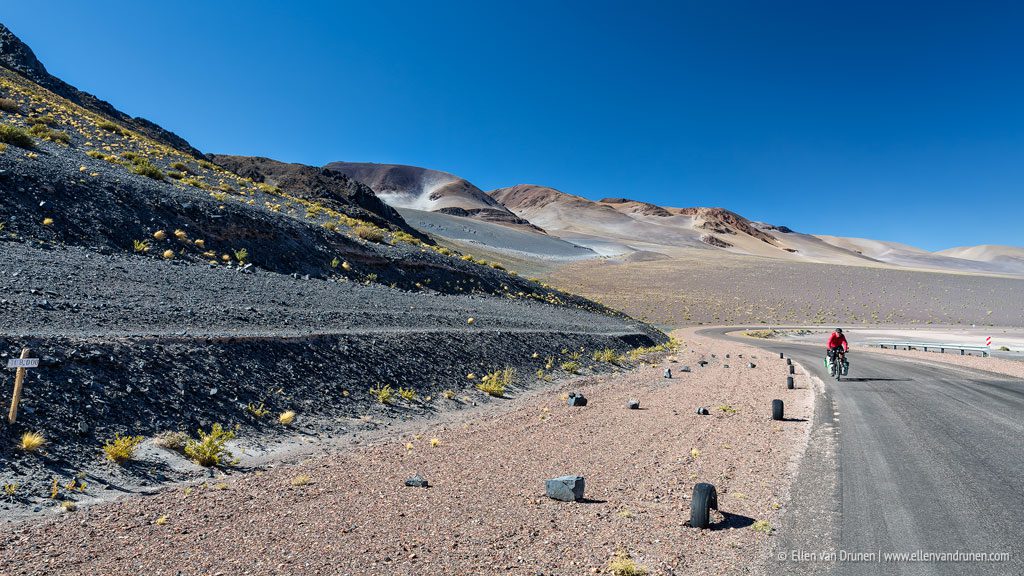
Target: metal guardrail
[{"x": 926, "y": 345}]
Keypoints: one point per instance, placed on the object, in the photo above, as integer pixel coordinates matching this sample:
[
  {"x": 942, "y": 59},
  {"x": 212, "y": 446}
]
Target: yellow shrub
[
  {"x": 32, "y": 441},
  {"x": 121, "y": 448},
  {"x": 210, "y": 449}
]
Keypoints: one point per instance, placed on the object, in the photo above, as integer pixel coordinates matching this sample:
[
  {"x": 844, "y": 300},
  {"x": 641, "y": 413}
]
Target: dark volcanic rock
[
  {"x": 565, "y": 488},
  {"x": 331, "y": 188}
]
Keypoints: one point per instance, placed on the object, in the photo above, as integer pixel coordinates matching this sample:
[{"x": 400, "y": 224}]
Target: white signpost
[{"x": 21, "y": 364}]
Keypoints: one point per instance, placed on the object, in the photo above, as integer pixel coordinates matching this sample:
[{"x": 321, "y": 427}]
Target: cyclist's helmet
[{"x": 839, "y": 330}]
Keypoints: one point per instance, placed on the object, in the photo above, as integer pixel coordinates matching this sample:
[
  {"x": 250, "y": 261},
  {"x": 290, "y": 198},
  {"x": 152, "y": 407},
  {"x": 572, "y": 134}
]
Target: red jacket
[{"x": 835, "y": 340}]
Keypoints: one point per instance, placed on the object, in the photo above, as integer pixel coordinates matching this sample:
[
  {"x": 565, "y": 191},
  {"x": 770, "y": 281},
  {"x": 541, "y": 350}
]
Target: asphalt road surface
[{"x": 906, "y": 457}]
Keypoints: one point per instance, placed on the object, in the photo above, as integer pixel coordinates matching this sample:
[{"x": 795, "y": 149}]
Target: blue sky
[{"x": 895, "y": 121}]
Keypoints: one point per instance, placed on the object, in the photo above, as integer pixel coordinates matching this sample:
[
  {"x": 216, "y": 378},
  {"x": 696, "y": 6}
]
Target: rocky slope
[
  {"x": 330, "y": 188},
  {"x": 163, "y": 291},
  {"x": 15, "y": 55}
]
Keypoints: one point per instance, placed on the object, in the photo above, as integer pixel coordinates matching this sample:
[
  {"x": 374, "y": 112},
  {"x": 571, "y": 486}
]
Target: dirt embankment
[{"x": 349, "y": 513}]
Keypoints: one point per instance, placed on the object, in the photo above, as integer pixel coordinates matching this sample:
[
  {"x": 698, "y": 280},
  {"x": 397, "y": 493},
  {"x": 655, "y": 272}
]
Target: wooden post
[{"x": 19, "y": 380}]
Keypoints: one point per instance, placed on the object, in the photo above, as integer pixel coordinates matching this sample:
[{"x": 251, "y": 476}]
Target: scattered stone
[
  {"x": 633, "y": 404},
  {"x": 577, "y": 399},
  {"x": 668, "y": 372},
  {"x": 684, "y": 369},
  {"x": 725, "y": 365},
  {"x": 751, "y": 365},
  {"x": 703, "y": 411},
  {"x": 565, "y": 488},
  {"x": 702, "y": 363},
  {"x": 417, "y": 481}
]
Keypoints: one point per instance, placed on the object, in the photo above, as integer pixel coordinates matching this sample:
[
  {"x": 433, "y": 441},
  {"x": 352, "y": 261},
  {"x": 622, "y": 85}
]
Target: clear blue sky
[{"x": 886, "y": 120}]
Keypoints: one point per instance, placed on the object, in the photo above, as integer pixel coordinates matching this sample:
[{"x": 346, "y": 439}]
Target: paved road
[{"x": 907, "y": 457}]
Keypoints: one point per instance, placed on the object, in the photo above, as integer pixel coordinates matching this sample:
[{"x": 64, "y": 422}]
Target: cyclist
[{"x": 837, "y": 343}]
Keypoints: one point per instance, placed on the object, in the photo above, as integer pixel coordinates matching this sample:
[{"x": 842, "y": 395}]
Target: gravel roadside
[
  {"x": 1013, "y": 368},
  {"x": 348, "y": 512}
]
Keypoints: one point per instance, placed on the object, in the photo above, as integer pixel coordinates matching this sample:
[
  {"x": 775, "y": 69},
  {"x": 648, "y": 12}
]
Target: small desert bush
[
  {"x": 46, "y": 133},
  {"x": 727, "y": 409},
  {"x": 401, "y": 236},
  {"x": 407, "y": 394},
  {"x": 369, "y": 233},
  {"x": 383, "y": 394},
  {"x": 242, "y": 255},
  {"x": 120, "y": 449},
  {"x": 622, "y": 564},
  {"x": 607, "y": 355},
  {"x": 301, "y": 480},
  {"x": 171, "y": 440},
  {"x": 762, "y": 526},
  {"x": 448, "y": 394},
  {"x": 110, "y": 127},
  {"x": 179, "y": 166},
  {"x": 286, "y": 418},
  {"x": 210, "y": 449},
  {"x": 9, "y": 105},
  {"x": 761, "y": 333},
  {"x": 145, "y": 168},
  {"x": 32, "y": 441},
  {"x": 141, "y": 246},
  {"x": 45, "y": 120},
  {"x": 435, "y": 442},
  {"x": 571, "y": 367},
  {"x": 257, "y": 410},
  {"x": 494, "y": 383},
  {"x": 1004, "y": 349},
  {"x": 16, "y": 136}
]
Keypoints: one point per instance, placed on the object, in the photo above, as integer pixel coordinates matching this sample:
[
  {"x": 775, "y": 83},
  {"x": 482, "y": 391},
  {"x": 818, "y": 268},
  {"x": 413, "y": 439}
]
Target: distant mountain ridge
[{"x": 428, "y": 190}]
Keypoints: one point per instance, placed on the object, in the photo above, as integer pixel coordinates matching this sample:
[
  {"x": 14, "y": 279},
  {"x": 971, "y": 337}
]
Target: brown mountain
[
  {"x": 328, "y": 187},
  {"x": 416, "y": 188}
]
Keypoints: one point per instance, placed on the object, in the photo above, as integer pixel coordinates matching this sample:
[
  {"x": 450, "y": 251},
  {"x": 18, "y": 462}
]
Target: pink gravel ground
[{"x": 486, "y": 512}]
